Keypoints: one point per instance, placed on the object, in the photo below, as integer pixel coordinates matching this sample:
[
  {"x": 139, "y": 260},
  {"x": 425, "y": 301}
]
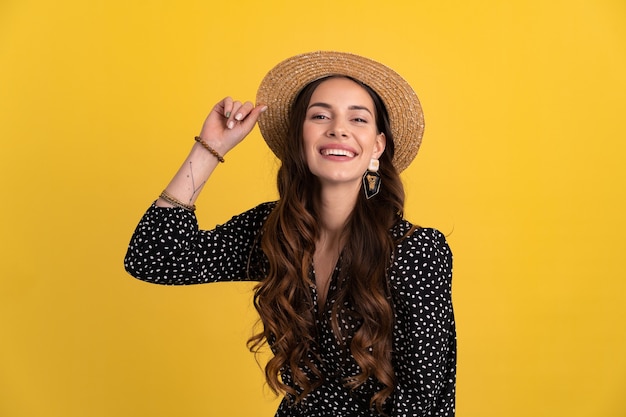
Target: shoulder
[
  {"x": 422, "y": 254},
  {"x": 419, "y": 239},
  {"x": 262, "y": 210},
  {"x": 255, "y": 216}
]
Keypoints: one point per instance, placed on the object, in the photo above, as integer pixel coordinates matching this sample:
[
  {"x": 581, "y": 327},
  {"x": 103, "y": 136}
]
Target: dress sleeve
[
  {"x": 425, "y": 340},
  {"x": 168, "y": 248}
]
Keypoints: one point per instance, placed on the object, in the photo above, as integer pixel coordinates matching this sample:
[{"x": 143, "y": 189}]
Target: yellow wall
[{"x": 522, "y": 165}]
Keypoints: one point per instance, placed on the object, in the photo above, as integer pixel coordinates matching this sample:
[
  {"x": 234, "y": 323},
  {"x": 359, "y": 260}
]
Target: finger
[
  {"x": 244, "y": 110},
  {"x": 250, "y": 120},
  {"x": 235, "y": 110},
  {"x": 227, "y": 107}
]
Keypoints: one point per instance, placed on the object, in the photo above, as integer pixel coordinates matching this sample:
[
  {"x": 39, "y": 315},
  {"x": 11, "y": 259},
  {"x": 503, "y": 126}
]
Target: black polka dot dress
[{"x": 168, "y": 248}]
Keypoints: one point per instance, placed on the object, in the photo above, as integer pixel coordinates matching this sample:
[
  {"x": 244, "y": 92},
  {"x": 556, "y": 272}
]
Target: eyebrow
[{"x": 328, "y": 106}]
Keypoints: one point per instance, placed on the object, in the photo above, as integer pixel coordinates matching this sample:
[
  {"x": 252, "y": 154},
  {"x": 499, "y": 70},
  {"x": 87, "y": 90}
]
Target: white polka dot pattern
[{"x": 168, "y": 248}]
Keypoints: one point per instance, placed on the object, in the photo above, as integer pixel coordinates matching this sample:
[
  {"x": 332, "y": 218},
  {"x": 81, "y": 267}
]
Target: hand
[{"x": 229, "y": 122}]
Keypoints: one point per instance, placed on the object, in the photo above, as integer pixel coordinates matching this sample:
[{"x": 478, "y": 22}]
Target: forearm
[
  {"x": 191, "y": 176},
  {"x": 226, "y": 125}
]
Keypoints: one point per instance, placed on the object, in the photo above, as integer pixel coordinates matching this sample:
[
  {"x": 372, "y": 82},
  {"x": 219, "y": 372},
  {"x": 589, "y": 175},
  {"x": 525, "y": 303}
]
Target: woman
[{"x": 354, "y": 300}]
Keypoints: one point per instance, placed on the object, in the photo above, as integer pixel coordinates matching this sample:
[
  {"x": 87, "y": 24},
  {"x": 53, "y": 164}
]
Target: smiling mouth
[{"x": 337, "y": 152}]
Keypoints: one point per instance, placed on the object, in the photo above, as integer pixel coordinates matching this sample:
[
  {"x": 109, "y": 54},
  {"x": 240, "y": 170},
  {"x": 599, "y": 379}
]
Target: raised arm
[
  {"x": 228, "y": 123},
  {"x": 167, "y": 247}
]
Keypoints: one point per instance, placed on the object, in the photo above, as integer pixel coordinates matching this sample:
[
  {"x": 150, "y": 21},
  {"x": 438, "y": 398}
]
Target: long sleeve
[
  {"x": 168, "y": 248},
  {"x": 425, "y": 335}
]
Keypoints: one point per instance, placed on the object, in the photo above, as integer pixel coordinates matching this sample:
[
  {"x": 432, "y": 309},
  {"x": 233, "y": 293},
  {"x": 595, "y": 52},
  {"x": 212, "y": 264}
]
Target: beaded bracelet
[
  {"x": 165, "y": 196},
  {"x": 208, "y": 148}
]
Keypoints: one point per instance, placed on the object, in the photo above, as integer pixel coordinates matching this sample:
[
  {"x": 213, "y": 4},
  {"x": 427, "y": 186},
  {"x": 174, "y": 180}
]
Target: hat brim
[{"x": 282, "y": 84}]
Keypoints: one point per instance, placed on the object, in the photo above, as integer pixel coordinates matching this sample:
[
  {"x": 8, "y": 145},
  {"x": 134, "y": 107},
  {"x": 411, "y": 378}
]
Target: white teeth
[{"x": 337, "y": 152}]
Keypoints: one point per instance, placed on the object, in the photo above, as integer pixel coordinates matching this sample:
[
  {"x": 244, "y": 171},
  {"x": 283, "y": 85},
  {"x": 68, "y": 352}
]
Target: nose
[{"x": 337, "y": 130}]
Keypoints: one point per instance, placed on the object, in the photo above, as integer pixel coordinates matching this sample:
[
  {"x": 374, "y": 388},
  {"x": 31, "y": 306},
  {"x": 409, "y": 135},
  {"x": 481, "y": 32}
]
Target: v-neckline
[{"x": 321, "y": 307}]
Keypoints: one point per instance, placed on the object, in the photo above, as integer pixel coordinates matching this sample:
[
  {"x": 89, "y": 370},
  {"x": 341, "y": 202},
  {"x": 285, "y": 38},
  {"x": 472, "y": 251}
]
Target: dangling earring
[{"x": 371, "y": 179}]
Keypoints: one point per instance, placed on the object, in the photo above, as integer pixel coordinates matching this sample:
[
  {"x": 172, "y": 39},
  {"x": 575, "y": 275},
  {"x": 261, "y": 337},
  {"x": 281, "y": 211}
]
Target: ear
[{"x": 379, "y": 145}]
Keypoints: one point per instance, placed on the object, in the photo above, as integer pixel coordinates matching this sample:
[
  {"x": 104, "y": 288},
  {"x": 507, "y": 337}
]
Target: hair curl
[{"x": 283, "y": 298}]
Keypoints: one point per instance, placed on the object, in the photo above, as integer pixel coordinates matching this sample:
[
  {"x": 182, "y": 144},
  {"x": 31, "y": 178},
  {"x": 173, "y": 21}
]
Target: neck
[{"x": 336, "y": 205}]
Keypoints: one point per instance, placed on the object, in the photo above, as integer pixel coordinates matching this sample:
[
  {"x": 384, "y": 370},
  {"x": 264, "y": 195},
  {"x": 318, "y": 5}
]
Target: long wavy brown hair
[{"x": 283, "y": 298}]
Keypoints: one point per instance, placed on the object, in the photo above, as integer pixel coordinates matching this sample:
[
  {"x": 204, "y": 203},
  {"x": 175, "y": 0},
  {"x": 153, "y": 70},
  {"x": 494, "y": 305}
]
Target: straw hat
[{"x": 282, "y": 84}]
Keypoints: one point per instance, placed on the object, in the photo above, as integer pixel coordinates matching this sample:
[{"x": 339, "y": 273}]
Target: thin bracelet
[
  {"x": 208, "y": 148},
  {"x": 165, "y": 196}
]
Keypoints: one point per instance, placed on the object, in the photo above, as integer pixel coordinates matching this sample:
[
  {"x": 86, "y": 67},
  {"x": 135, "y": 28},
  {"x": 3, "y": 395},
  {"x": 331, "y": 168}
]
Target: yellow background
[{"x": 522, "y": 166}]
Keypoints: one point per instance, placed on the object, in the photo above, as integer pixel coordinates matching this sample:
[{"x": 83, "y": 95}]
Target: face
[{"x": 340, "y": 133}]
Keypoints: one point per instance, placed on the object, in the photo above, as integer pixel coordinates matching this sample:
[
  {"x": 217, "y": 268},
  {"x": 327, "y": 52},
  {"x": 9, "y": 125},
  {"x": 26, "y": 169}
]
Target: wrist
[{"x": 214, "y": 150}]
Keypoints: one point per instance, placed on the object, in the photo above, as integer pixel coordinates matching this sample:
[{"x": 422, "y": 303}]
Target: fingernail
[
  {"x": 231, "y": 124},
  {"x": 263, "y": 109},
  {"x": 238, "y": 116},
  {"x": 227, "y": 115}
]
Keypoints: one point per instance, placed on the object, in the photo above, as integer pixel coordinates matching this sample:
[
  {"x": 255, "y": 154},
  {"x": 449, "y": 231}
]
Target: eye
[
  {"x": 360, "y": 120},
  {"x": 319, "y": 117}
]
